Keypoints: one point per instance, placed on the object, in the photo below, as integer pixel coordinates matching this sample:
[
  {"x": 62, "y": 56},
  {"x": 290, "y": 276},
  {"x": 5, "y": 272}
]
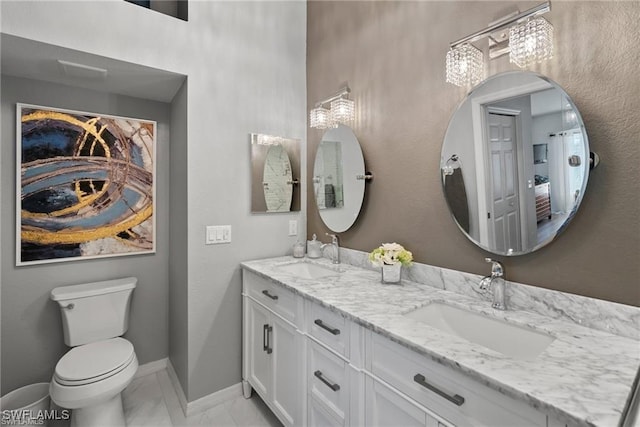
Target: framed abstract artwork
[{"x": 85, "y": 185}]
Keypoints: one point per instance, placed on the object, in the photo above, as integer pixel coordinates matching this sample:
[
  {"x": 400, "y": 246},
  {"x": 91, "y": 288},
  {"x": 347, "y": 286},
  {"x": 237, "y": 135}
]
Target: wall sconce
[
  {"x": 529, "y": 40},
  {"x": 465, "y": 65},
  {"x": 342, "y": 110}
]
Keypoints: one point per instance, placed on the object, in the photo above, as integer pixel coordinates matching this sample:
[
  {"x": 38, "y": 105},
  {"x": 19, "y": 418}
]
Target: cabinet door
[
  {"x": 259, "y": 359},
  {"x": 288, "y": 392},
  {"x": 320, "y": 417},
  {"x": 384, "y": 407}
]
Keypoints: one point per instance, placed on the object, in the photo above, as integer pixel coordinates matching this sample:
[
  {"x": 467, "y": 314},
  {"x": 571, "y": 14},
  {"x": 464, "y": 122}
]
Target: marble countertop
[{"x": 585, "y": 376}]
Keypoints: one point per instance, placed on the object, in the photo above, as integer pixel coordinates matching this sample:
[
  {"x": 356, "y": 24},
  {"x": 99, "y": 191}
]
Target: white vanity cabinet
[
  {"x": 314, "y": 366},
  {"x": 446, "y": 396},
  {"x": 335, "y": 382},
  {"x": 273, "y": 347},
  {"x": 388, "y": 408}
]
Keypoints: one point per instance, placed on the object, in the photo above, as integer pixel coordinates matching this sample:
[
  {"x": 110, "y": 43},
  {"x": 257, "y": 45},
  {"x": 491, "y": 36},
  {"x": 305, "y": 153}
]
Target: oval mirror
[
  {"x": 515, "y": 163},
  {"x": 338, "y": 178},
  {"x": 276, "y": 180},
  {"x": 275, "y": 169}
]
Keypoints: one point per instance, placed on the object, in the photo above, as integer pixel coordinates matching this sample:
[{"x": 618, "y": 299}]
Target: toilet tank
[{"x": 94, "y": 311}]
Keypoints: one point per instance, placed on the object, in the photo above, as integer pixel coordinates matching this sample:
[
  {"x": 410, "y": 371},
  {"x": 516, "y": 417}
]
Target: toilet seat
[{"x": 94, "y": 362}]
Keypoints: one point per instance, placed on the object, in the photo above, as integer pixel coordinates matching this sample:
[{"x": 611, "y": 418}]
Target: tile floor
[{"x": 151, "y": 401}]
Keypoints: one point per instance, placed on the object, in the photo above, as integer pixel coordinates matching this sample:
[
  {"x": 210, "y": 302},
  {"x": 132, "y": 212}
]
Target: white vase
[{"x": 391, "y": 273}]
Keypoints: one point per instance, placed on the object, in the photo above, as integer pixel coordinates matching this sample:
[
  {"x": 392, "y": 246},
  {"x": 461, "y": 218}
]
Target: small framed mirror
[
  {"x": 515, "y": 163},
  {"x": 275, "y": 172},
  {"x": 339, "y": 178}
]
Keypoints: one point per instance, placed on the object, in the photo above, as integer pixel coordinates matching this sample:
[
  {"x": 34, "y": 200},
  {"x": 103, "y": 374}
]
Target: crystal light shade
[
  {"x": 464, "y": 65},
  {"x": 343, "y": 110},
  {"x": 320, "y": 118},
  {"x": 531, "y": 42}
]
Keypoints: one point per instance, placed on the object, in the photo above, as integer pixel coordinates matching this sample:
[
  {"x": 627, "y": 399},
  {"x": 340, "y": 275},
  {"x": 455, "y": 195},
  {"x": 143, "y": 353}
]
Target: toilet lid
[{"x": 93, "y": 360}]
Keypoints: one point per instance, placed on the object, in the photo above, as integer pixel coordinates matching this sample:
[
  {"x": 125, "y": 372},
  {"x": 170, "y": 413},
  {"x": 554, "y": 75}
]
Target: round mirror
[
  {"x": 515, "y": 163},
  {"x": 276, "y": 180},
  {"x": 338, "y": 178}
]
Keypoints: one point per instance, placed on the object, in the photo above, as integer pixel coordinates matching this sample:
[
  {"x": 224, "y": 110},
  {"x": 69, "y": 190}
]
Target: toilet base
[{"x": 107, "y": 413}]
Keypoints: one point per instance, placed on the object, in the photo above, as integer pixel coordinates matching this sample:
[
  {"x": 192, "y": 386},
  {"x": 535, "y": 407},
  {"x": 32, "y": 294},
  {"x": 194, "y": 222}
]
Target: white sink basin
[
  {"x": 308, "y": 270},
  {"x": 515, "y": 341}
]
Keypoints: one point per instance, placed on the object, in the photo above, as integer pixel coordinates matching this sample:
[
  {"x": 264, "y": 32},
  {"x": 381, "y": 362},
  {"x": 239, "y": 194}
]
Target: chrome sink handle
[
  {"x": 335, "y": 244},
  {"x": 485, "y": 283},
  {"x": 496, "y": 268},
  {"x": 496, "y": 284}
]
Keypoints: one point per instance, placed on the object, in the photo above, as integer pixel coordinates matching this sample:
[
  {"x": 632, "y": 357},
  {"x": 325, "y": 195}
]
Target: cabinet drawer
[
  {"x": 278, "y": 299},
  {"x": 448, "y": 393},
  {"x": 328, "y": 381},
  {"x": 330, "y": 328}
]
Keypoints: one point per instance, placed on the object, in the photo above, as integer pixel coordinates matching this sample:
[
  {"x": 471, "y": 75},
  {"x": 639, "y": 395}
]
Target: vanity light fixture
[
  {"x": 320, "y": 118},
  {"x": 531, "y": 42},
  {"x": 342, "y": 110},
  {"x": 465, "y": 65},
  {"x": 526, "y": 36},
  {"x": 269, "y": 140}
]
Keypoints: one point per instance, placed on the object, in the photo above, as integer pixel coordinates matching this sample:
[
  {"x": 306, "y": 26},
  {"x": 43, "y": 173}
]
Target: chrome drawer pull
[
  {"x": 273, "y": 297},
  {"x": 265, "y": 333},
  {"x": 457, "y": 399},
  {"x": 334, "y": 331},
  {"x": 266, "y": 344},
  {"x": 334, "y": 387}
]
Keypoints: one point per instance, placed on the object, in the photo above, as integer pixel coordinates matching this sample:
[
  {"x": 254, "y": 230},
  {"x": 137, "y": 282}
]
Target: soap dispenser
[
  {"x": 298, "y": 250},
  {"x": 313, "y": 248}
]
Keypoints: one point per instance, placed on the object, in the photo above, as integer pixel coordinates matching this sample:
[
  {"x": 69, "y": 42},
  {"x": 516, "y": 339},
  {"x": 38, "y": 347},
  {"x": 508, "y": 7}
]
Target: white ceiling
[
  {"x": 548, "y": 101},
  {"x": 35, "y": 60}
]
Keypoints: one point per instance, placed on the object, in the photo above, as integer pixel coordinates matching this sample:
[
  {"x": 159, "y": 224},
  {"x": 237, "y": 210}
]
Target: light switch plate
[
  {"x": 210, "y": 235},
  {"x": 216, "y": 234},
  {"x": 293, "y": 227}
]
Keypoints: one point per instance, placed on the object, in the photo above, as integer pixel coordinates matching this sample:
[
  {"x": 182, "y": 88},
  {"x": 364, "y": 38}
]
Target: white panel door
[{"x": 504, "y": 203}]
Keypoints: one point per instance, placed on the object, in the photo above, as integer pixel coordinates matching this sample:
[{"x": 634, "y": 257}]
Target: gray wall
[
  {"x": 245, "y": 63},
  {"x": 32, "y": 340},
  {"x": 393, "y": 53},
  {"x": 252, "y": 81},
  {"x": 178, "y": 231}
]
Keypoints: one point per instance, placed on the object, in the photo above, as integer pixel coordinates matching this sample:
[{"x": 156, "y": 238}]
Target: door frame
[
  {"x": 478, "y": 104},
  {"x": 522, "y": 220}
]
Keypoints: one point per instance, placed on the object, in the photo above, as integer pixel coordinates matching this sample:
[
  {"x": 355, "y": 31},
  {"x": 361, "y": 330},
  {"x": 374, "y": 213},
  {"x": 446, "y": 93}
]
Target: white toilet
[{"x": 90, "y": 377}]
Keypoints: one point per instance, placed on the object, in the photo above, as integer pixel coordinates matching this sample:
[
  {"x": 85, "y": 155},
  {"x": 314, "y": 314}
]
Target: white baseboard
[
  {"x": 151, "y": 368},
  {"x": 205, "y": 402},
  {"x": 182, "y": 398},
  {"x": 214, "y": 399}
]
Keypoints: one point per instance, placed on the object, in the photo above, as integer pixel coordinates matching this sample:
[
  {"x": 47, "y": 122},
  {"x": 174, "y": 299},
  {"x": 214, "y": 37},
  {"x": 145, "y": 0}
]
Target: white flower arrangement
[{"x": 390, "y": 254}]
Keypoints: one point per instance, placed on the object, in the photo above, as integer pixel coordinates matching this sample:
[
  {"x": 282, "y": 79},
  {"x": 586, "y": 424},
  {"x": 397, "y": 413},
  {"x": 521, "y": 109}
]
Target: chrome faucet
[
  {"x": 495, "y": 283},
  {"x": 336, "y": 248}
]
